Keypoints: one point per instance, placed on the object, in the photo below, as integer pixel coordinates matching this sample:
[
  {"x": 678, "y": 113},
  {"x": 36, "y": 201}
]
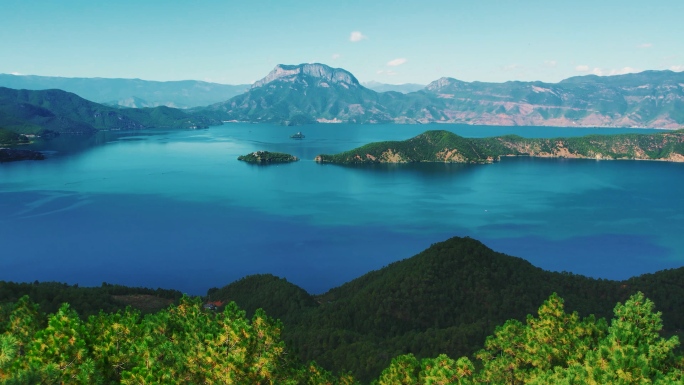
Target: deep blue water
[{"x": 175, "y": 209}]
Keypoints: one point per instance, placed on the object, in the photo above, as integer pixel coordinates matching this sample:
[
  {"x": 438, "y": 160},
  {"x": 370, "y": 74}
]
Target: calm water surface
[{"x": 175, "y": 209}]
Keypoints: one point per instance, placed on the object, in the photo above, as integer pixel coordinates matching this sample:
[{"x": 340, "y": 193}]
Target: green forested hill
[
  {"x": 445, "y": 146},
  {"x": 446, "y": 299}
]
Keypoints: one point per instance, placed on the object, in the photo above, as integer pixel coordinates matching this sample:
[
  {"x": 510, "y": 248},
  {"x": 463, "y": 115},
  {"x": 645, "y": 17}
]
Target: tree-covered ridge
[
  {"x": 189, "y": 344},
  {"x": 445, "y": 146},
  {"x": 446, "y": 299},
  {"x": 266, "y": 157}
]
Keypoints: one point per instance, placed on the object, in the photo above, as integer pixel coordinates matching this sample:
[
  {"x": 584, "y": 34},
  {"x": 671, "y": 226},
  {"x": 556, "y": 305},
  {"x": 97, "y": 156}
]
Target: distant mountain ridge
[
  {"x": 132, "y": 93},
  {"x": 315, "y": 92},
  {"x": 319, "y": 93},
  {"x": 647, "y": 99}
]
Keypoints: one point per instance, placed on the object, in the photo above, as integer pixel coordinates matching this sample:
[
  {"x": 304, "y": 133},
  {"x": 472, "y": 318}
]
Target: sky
[{"x": 389, "y": 41}]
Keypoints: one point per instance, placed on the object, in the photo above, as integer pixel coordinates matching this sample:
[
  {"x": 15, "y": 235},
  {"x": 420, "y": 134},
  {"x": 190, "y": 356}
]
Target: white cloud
[
  {"x": 336, "y": 56},
  {"x": 614, "y": 71},
  {"x": 550, "y": 63},
  {"x": 582, "y": 68},
  {"x": 645, "y": 45},
  {"x": 678, "y": 68},
  {"x": 627, "y": 70},
  {"x": 357, "y": 36},
  {"x": 16, "y": 73},
  {"x": 396, "y": 62},
  {"x": 510, "y": 67}
]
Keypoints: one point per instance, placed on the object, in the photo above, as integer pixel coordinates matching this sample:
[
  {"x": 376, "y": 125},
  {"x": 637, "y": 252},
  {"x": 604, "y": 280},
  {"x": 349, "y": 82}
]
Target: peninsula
[
  {"x": 265, "y": 157},
  {"x": 445, "y": 146}
]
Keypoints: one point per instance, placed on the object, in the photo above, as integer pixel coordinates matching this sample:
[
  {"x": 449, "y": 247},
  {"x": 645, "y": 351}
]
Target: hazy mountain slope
[
  {"x": 647, "y": 99},
  {"x": 131, "y": 92},
  {"x": 57, "y": 111}
]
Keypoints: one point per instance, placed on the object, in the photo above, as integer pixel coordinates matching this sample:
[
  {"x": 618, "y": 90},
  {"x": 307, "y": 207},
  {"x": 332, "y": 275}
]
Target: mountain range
[{"x": 316, "y": 92}]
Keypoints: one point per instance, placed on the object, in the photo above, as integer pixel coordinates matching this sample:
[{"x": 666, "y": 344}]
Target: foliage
[
  {"x": 187, "y": 343},
  {"x": 183, "y": 344}
]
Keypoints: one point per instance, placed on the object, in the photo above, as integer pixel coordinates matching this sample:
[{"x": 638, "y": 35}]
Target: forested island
[
  {"x": 12, "y": 154},
  {"x": 266, "y": 157},
  {"x": 445, "y": 146},
  {"x": 407, "y": 323}
]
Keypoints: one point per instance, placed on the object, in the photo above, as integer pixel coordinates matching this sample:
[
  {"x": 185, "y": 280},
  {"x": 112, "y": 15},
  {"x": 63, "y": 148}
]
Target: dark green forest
[{"x": 187, "y": 343}]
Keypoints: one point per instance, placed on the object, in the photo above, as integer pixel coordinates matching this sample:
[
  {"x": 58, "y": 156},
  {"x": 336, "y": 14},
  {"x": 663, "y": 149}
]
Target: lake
[{"x": 175, "y": 209}]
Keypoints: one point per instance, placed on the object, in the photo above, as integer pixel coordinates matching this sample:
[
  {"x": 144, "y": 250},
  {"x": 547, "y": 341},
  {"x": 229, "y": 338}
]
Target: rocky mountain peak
[
  {"x": 442, "y": 83},
  {"x": 321, "y": 72}
]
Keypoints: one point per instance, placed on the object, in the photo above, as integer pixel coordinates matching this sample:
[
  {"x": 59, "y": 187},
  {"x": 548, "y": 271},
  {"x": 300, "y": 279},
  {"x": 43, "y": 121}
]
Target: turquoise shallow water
[{"x": 176, "y": 209}]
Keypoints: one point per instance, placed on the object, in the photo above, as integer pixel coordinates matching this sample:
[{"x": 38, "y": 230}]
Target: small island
[
  {"x": 265, "y": 157},
  {"x": 11, "y": 155},
  {"x": 445, "y": 146}
]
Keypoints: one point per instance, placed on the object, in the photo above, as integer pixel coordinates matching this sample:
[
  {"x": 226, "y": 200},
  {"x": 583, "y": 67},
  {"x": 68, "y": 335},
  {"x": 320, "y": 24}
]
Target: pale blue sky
[{"x": 239, "y": 42}]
